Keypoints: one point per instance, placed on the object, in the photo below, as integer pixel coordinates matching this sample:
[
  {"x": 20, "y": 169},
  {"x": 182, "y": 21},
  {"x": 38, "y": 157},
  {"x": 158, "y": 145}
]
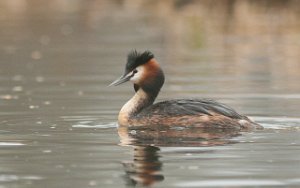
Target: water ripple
[
  {"x": 278, "y": 122},
  {"x": 11, "y": 144},
  {"x": 9, "y": 178},
  {"x": 102, "y": 126},
  {"x": 229, "y": 183}
]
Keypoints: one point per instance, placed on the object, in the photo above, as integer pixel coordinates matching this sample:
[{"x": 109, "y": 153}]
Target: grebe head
[{"x": 143, "y": 70}]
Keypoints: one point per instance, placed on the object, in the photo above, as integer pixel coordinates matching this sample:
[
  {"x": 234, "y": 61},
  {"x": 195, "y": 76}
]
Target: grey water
[{"x": 58, "y": 118}]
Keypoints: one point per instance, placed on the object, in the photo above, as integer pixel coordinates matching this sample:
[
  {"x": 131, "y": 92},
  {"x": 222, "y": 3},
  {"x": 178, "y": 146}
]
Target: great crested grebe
[{"x": 148, "y": 78}]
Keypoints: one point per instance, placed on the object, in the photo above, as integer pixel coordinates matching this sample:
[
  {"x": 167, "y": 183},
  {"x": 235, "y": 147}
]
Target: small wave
[
  {"x": 101, "y": 126},
  {"x": 278, "y": 122},
  {"x": 229, "y": 183},
  {"x": 11, "y": 144},
  {"x": 10, "y": 178}
]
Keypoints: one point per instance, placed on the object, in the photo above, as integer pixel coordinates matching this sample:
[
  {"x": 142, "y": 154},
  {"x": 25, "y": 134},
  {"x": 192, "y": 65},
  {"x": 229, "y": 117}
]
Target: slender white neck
[{"x": 139, "y": 101}]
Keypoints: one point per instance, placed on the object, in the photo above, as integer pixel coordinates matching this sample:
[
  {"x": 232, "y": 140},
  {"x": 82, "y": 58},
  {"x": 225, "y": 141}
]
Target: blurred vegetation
[{"x": 266, "y": 32}]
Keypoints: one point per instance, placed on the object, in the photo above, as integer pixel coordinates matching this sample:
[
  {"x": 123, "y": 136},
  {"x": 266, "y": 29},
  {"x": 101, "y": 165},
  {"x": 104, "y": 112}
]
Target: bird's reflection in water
[{"x": 146, "y": 169}]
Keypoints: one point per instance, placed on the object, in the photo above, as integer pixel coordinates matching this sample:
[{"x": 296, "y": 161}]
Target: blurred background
[
  {"x": 223, "y": 49},
  {"x": 58, "y": 117}
]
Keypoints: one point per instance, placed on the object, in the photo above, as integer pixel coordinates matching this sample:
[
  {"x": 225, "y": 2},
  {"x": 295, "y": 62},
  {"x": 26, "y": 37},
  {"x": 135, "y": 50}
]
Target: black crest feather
[{"x": 135, "y": 59}]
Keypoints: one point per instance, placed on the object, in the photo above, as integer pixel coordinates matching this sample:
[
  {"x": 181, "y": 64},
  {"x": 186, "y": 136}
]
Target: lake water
[{"x": 58, "y": 118}]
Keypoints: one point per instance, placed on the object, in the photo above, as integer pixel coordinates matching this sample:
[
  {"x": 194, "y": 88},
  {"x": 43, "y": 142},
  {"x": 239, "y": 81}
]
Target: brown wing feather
[{"x": 185, "y": 107}]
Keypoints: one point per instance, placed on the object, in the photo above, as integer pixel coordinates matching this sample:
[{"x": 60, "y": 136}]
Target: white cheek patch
[{"x": 138, "y": 76}]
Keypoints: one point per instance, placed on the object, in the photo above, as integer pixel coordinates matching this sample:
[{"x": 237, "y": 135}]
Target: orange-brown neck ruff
[{"x": 152, "y": 79}]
